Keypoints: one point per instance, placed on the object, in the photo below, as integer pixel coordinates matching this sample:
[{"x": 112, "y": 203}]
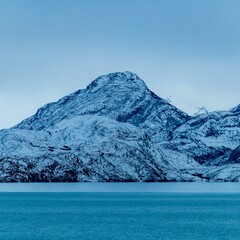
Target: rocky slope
[
  {"x": 118, "y": 130},
  {"x": 209, "y": 138}
]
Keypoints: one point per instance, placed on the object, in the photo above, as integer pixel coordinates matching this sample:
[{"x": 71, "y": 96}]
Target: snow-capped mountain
[{"x": 118, "y": 130}]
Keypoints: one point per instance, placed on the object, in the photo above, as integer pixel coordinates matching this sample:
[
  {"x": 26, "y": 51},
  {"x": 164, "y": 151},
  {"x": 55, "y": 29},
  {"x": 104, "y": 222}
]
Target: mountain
[{"x": 118, "y": 130}]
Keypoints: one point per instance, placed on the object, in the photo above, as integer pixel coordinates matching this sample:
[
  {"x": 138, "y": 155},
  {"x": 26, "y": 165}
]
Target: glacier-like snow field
[{"x": 120, "y": 216}]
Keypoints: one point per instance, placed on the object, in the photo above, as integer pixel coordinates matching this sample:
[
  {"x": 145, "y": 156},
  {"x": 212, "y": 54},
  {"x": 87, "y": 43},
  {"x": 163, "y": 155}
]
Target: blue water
[
  {"x": 147, "y": 211},
  {"x": 121, "y": 216}
]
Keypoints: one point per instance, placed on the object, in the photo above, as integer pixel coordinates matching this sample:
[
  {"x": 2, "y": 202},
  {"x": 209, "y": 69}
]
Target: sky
[{"x": 186, "y": 51}]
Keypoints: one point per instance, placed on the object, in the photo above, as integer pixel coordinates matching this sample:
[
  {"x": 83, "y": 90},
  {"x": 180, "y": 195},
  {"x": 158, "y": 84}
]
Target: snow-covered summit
[
  {"x": 117, "y": 78},
  {"x": 123, "y": 97},
  {"x": 109, "y": 95}
]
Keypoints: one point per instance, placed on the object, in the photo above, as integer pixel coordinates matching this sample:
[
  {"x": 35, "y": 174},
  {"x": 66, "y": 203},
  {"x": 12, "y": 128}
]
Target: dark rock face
[
  {"x": 235, "y": 156},
  {"x": 117, "y": 130}
]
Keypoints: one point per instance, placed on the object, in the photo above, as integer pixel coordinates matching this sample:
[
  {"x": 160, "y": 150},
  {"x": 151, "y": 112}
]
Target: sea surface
[{"x": 121, "y": 211}]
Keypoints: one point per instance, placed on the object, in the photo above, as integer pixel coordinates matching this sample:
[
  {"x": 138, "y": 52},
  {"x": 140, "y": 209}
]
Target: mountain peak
[{"x": 116, "y": 78}]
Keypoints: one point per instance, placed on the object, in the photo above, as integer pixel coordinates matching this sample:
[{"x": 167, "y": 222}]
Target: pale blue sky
[{"x": 187, "y": 50}]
